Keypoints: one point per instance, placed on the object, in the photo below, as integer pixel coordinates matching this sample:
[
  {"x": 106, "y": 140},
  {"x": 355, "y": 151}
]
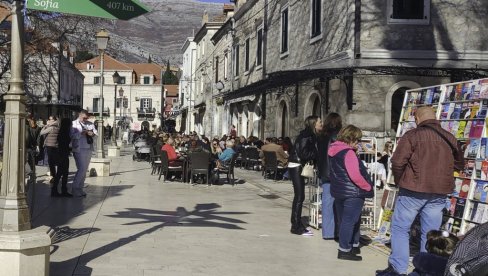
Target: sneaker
[
  {"x": 387, "y": 271},
  {"x": 356, "y": 250},
  {"x": 348, "y": 256},
  {"x": 307, "y": 232}
]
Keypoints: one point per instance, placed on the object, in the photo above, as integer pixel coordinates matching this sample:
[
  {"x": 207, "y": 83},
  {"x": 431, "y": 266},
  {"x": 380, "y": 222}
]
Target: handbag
[{"x": 308, "y": 170}]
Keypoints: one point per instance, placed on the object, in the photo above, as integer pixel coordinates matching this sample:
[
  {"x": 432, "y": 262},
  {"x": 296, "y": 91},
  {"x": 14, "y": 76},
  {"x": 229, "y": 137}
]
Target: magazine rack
[{"x": 462, "y": 110}]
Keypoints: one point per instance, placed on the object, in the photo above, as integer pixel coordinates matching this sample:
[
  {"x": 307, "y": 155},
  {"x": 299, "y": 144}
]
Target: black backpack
[{"x": 470, "y": 257}]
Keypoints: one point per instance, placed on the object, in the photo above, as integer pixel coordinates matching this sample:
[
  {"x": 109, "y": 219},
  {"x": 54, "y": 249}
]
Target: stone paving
[{"x": 132, "y": 224}]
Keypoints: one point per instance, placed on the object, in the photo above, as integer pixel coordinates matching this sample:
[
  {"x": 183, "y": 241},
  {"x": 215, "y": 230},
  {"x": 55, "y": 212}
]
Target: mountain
[{"x": 161, "y": 32}]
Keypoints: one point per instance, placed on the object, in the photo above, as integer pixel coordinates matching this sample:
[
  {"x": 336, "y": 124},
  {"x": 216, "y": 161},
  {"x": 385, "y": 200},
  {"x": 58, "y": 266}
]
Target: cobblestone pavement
[{"x": 132, "y": 224}]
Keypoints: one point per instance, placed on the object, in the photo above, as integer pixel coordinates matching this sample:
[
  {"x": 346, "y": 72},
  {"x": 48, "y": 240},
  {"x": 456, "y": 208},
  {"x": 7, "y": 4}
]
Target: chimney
[
  {"x": 88, "y": 66},
  {"x": 205, "y": 17}
]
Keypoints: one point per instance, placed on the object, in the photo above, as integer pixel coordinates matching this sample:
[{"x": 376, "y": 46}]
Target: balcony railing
[
  {"x": 146, "y": 114},
  {"x": 96, "y": 112}
]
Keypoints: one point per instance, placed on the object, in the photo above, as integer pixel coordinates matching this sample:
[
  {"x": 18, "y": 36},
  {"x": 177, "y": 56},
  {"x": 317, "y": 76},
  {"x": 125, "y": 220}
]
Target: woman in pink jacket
[{"x": 350, "y": 185}]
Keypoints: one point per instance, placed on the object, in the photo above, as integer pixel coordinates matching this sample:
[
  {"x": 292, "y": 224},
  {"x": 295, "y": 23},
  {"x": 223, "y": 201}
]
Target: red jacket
[
  {"x": 171, "y": 152},
  {"x": 423, "y": 162}
]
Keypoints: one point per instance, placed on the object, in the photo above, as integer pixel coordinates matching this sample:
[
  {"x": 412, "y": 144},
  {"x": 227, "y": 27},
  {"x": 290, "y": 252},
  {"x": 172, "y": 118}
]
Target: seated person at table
[
  {"x": 173, "y": 157},
  {"x": 226, "y": 155},
  {"x": 272, "y": 146}
]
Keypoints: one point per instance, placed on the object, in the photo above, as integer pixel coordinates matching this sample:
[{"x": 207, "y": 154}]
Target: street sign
[{"x": 111, "y": 9}]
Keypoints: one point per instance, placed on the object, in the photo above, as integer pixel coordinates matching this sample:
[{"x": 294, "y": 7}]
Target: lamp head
[
  {"x": 116, "y": 77},
  {"x": 121, "y": 92},
  {"x": 102, "y": 39}
]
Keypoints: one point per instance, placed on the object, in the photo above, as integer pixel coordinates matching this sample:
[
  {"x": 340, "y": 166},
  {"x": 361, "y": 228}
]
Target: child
[{"x": 439, "y": 246}]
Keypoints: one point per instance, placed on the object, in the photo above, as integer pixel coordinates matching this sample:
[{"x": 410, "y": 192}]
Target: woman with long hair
[
  {"x": 331, "y": 127},
  {"x": 64, "y": 139},
  {"x": 303, "y": 151}
]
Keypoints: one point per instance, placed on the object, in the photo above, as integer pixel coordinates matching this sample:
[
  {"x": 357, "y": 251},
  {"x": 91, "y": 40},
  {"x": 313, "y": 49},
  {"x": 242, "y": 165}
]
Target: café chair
[
  {"x": 166, "y": 168},
  {"x": 228, "y": 169},
  {"x": 199, "y": 164},
  {"x": 271, "y": 164}
]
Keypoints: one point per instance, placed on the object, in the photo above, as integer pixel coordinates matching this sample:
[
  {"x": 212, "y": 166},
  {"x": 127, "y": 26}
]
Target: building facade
[
  {"x": 292, "y": 59},
  {"x": 187, "y": 85},
  {"x": 137, "y": 98}
]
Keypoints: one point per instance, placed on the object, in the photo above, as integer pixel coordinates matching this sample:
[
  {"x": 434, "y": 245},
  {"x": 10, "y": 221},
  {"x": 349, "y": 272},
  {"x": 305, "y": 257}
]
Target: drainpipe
[
  {"x": 263, "y": 93},
  {"x": 357, "y": 29}
]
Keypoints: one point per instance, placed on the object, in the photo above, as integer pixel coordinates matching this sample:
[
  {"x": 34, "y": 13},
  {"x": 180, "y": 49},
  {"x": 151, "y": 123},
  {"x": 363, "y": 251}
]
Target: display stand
[
  {"x": 315, "y": 202},
  {"x": 462, "y": 110},
  {"x": 367, "y": 154}
]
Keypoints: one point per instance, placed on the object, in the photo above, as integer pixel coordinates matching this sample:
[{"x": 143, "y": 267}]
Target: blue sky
[{"x": 215, "y": 1}]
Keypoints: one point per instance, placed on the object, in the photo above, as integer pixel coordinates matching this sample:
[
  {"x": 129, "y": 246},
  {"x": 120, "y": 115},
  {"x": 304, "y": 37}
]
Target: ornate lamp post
[
  {"x": 116, "y": 78},
  {"x": 102, "y": 42},
  {"x": 24, "y": 251}
]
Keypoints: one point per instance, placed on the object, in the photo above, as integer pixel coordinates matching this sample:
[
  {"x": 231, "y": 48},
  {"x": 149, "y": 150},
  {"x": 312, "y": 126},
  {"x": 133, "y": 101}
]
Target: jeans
[
  {"x": 407, "y": 206},
  {"x": 298, "y": 198},
  {"x": 348, "y": 216},
  {"x": 328, "y": 216},
  {"x": 82, "y": 160}
]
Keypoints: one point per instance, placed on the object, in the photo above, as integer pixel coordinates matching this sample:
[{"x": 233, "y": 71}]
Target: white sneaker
[{"x": 307, "y": 233}]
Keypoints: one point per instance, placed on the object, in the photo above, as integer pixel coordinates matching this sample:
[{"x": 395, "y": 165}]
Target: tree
[
  {"x": 169, "y": 77},
  {"x": 82, "y": 56}
]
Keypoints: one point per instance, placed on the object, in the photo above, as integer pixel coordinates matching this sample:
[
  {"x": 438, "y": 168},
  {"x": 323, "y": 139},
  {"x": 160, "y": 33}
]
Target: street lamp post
[
  {"x": 102, "y": 41},
  {"x": 24, "y": 251},
  {"x": 121, "y": 95},
  {"x": 116, "y": 79}
]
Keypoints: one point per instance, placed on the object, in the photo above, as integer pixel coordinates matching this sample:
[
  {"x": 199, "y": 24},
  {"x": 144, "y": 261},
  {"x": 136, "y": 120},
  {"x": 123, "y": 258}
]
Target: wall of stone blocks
[
  {"x": 455, "y": 25},
  {"x": 337, "y": 32}
]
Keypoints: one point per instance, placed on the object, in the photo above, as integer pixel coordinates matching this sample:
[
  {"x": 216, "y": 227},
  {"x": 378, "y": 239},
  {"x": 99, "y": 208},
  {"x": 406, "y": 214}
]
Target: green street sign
[{"x": 111, "y": 9}]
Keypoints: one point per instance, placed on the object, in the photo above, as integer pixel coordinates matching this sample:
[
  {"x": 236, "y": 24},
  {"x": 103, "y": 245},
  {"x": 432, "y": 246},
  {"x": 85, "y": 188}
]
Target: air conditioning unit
[{"x": 137, "y": 99}]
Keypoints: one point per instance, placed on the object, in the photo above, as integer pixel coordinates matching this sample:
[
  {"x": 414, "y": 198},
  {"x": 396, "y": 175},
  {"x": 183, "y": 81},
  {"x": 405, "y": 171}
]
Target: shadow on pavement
[{"x": 203, "y": 215}]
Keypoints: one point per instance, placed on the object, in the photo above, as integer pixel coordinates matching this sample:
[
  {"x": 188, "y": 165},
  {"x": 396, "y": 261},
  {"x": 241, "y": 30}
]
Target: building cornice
[
  {"x": 244, "y": 9},
  {"x": 188, "y": 42},
  {"x": 423, "y": 54}
]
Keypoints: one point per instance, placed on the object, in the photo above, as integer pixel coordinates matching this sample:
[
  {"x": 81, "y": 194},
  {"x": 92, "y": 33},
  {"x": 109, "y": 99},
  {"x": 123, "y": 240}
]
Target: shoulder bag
[{"x": 308, "y": 170}]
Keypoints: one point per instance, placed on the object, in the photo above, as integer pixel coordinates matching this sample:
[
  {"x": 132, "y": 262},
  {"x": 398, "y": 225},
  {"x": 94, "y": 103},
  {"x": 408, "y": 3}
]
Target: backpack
[{"x": 470, "y": 257}]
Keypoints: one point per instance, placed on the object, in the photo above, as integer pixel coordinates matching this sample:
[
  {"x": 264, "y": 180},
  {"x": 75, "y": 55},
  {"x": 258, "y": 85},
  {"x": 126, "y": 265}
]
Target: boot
[{"x": 349, "y": 256}]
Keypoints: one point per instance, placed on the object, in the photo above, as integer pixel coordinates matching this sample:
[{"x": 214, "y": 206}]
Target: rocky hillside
[{"x": 160, "y": 33}]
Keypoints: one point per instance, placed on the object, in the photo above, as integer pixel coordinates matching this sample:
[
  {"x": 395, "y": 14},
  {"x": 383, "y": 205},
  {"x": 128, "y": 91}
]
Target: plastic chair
[
  {"x": 165, "y": 167},
  {"x": 271, "y": 164},
  {"x": 199, "y": 164}
]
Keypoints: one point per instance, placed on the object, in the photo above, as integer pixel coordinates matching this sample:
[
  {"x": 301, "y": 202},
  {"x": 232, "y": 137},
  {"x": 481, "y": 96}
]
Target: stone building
[
  {"x": 138, "y": 97},
  {"x": 291, "y": 59}
]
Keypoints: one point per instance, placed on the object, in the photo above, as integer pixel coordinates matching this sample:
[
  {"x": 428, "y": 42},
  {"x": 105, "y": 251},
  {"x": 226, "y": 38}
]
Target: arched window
[
  {"x": 396, "y": 106},
  {"x": 316, "y": 111},
  {"x": 284, "y": 121}
]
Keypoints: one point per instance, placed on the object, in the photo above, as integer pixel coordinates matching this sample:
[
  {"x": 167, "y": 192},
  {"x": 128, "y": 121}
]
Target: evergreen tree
[{"x": 169, "y": 77}]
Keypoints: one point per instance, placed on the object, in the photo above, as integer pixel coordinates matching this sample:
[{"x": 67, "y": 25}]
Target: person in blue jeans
[
  {"x": 422, "y": 165},
  {"x": 331, "y": 127},
  {"x": 350, "y": 185}
]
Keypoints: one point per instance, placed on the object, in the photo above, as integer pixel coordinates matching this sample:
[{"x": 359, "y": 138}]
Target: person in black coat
[
  {"x": 332, "y": 126},
  {"x": 303, "y": 151},
  {"x": 64, "y": 140}
]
